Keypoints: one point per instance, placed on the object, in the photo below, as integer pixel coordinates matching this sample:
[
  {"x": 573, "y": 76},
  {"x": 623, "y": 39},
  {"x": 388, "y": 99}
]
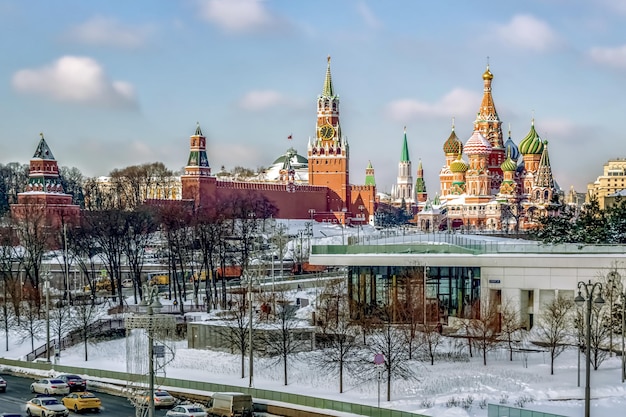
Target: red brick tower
[
  {"x": 328, "y": 153},
  {"x": 44, "y": 192},
  {"x": 197, "y": 183}
]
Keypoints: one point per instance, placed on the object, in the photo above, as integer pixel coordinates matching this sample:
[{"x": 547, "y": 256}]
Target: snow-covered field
[{"x": 447, "y": 389}]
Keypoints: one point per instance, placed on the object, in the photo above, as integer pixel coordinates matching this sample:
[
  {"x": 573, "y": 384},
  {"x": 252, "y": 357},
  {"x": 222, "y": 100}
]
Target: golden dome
[{"x": 487, "y": 75}]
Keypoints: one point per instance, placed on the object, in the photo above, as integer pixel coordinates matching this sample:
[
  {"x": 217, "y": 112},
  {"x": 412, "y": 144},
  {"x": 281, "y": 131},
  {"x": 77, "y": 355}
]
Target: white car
[
  {"x": 46, "y": 407},
  {"x": 50, "y": 386},
  {"x": 3, "y": 384},
  {"x": 162, "y": 398},
  {"x": 187, "y": 410}
]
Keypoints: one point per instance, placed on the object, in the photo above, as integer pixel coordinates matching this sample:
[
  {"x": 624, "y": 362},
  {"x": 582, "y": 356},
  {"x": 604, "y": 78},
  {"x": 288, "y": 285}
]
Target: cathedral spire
[
  {"x": 405, "y": 149},
  {"x": 544, "y": 170},
  {"x": 328, "y": 90}
]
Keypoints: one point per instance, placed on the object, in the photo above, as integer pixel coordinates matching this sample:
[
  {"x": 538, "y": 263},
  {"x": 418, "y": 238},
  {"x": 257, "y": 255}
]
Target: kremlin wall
[{"x": 486, "y": 183}]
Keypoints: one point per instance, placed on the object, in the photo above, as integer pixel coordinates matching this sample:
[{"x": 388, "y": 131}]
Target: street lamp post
[
  {"x": 151, "y": 303},
  {"x": 589, "y": 290},
  {"x": 250, "y": 338},
  {"x": 47, "y": 288},
  {"x": 623, "y": 328},
  {"x": 613, "y": 277}
]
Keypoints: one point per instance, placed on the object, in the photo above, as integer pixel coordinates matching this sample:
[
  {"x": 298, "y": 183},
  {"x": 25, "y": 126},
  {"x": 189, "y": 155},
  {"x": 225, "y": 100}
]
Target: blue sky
[{"x": 113, "y": 83}]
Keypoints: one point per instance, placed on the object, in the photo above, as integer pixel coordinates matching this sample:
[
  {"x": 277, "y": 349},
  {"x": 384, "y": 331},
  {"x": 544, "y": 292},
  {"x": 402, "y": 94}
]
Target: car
[
  {"x": 187, "y": 410},
  {"x": 80, "y": 401},
  {"x": 3, "y": 385},
  {"x": 43, "y": 406},
  {"x": 162, "y": 398},
  {"x": 50, "y": 386},
  {"x": 76, "y": 383}
]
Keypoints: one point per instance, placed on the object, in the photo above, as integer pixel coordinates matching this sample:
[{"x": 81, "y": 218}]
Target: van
[{"x": 230, "y": 404}]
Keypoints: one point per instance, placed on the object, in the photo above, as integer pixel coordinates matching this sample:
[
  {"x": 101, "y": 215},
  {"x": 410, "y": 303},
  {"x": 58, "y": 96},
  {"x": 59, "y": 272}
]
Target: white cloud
[
  {"x": 261, "y": 100},
  {"x": 368, "y": 16},
  {"x": 237, "y": 15},
  {"x": 108, "y": 32},
  {"x": 458, "y": 102},
  {"x": 75, "y": 79},
  {"x": 528, "y": 32},
  {"x": 614, "y": 57}
]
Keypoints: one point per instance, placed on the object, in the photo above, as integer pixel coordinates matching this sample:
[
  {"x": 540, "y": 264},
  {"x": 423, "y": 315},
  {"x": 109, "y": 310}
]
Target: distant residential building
[{"x": 611, "y": 181}]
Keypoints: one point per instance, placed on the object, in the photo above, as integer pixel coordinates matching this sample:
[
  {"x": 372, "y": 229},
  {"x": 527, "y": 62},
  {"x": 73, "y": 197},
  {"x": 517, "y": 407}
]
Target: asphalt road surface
[{"x": 18, "y": 392}]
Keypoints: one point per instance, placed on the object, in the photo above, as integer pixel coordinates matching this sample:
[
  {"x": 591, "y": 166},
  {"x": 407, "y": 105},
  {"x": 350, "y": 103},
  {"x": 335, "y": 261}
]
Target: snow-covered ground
[{"x": 446, "y": 389}]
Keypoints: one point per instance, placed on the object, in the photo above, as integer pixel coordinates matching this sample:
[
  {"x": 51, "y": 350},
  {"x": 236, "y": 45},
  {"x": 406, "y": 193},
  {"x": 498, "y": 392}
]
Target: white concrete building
[{"x": 450, "y": 275}]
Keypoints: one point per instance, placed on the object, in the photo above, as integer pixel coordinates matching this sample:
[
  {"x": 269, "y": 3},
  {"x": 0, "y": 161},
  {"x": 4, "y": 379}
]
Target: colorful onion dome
[
  {"x": 453, "y": 145},
  {"x": 511, "y": 149},
  {"x": 458, "y": 165},
  {"x": 532, "y": 143},
  {"x": 477, "y": 145},
  {"x": 508, "y": 165}
]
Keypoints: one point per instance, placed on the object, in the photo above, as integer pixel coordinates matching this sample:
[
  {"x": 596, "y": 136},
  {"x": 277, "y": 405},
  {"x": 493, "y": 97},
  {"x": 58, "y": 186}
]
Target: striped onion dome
[
  {"x": 508, "y": 165},
  {"x": 532, "y": 143},
  {"x": 477, "y": 145},
  {"x": 458, "y": 165},
  {"x": 453, "y": 145}
]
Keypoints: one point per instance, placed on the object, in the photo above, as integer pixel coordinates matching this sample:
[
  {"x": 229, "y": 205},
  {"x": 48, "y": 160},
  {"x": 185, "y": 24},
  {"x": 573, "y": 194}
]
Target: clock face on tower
[{"x": 327, "y": 132}]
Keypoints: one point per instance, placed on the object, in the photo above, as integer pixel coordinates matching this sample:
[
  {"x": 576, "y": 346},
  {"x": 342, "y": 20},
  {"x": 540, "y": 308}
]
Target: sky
[{"x": 117, "y": 83}]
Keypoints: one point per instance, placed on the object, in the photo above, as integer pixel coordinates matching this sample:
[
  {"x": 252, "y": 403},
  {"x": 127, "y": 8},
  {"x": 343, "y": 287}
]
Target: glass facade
[{"x": 415, "y": 293}]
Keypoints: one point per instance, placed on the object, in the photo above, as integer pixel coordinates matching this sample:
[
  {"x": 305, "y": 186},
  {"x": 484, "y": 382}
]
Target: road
[{"x": 18, "y": 392}]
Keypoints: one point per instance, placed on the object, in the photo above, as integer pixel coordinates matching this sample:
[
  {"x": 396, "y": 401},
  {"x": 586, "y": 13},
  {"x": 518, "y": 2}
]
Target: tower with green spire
[
  {"x": 403, "y": 189},
  {"x": 328, "y": 152},
  {"x": 197, "y": 182},
  {"x": 420, "y": 185},
  {"x": 369, "y": 174}
]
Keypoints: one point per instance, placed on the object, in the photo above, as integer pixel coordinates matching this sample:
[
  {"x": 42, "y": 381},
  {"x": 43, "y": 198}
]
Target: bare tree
[
  {"x": 339, "y": 333},
  {"x": 281, "y": 340},
  {"x": 510, "y": 326},
  {"x": 108, "y": 229},
  {"x": 86, "y": 313},
  {"x": 9, "y": 272},
  {"x": 409, "y": 310},
  {"x": 389, "y": 341},
  {"x": 600, "y": 329},
  {"x": 176, "y": 226},
  {"x": 554, "y": 326},
  {"x": 237, "y": 332},
  {"x": 429, "y": 340},
  {"x": 60, "y": 322},
  {"x": 82, "y": 250},
  {"x": 30, "y": 325},
  {"x": 141, "y": 225},
  {"x": 484, "y": 329},
  {"x": 34, "y": 233}
]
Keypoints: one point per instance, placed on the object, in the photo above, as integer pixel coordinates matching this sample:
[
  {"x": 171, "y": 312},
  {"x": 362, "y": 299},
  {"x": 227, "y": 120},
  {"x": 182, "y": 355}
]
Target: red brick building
[
  {"x": 328, "y": 196},
  {"x": 44, "y": 191}
]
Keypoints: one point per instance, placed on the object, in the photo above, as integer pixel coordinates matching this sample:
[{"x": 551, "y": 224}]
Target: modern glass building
[{"x": 439, "y": 278}]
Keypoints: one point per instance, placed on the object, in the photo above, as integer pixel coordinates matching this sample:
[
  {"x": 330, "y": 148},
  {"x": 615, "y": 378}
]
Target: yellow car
[{"x": 80, "y": 401}]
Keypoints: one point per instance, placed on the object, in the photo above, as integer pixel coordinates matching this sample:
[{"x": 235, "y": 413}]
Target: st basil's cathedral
[{"x": 499, "y": 185}]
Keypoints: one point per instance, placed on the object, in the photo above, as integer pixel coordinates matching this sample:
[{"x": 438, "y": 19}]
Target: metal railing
[
  {"x": 76, "y": 336},
  {"x": 497, "y": 410}
]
